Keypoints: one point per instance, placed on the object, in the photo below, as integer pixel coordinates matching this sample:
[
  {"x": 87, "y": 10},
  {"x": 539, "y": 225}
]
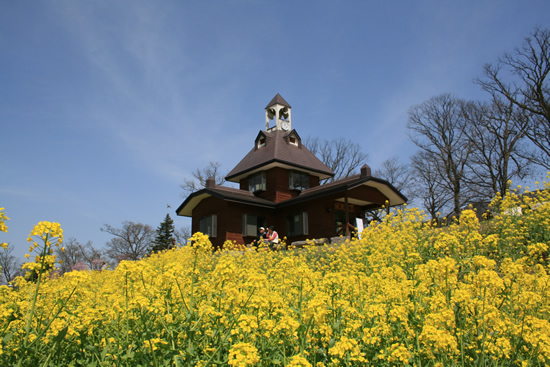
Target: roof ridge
[{"x": 278, "y": 100}]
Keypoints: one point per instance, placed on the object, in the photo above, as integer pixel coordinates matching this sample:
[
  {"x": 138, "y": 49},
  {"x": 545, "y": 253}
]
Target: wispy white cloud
[{"x": 163, "y": 103}]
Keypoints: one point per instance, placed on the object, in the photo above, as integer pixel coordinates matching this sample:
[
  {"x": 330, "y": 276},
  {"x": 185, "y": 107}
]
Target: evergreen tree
[{"x": 165, "y": 235}]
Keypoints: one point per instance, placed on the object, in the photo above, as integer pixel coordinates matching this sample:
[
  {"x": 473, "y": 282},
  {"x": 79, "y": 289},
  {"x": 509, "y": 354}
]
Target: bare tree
[
  {"x": 76, "y": 254},
  {"x": 91, "y": 256},
  {"x": 342, "y": 156},
  {"x": 200, "y": 176},
  {"x": 522, "y": 77},
  {"x": 539, "y": 134},
  {"x": 182, "y": 235},
  {"x": 397, "y": 174},
  {"x": 9, "y": 264},
  {"x": 438, "y": 127},
  {"x": 496, "y": 132},
  {"x": 428, "y": 183},
  {"x": 131, "y": 242},
  {"x": 70, "y": 257}
]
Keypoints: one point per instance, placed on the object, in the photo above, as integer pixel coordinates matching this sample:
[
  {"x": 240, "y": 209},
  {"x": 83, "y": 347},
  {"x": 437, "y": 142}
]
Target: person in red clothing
[{"x": 272, "y": 237}]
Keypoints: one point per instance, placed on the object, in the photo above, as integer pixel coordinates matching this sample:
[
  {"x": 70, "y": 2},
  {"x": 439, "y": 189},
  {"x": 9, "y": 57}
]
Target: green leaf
[
  {"x": 105, "y": 350},
  {"x": 61, "y": 335},
  {"x": 8, "y": 337}
]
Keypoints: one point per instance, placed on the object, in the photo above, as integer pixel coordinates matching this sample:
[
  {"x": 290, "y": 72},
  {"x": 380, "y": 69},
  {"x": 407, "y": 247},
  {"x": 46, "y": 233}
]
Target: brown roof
[
  {"x": 394, "y": 196},
  {"x": 278, "y": 100},
  {"x": 339, "y": 186},
  {"x": 224, "y": 193},
  {"x": 278, "y": 151}
]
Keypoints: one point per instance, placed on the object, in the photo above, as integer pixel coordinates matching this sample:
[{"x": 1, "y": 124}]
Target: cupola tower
[{"x": 278, "y": 111}]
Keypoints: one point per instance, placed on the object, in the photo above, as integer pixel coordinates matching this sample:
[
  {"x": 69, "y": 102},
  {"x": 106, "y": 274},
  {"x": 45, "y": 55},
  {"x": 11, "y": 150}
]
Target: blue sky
[{"x": 107, "y": 106}]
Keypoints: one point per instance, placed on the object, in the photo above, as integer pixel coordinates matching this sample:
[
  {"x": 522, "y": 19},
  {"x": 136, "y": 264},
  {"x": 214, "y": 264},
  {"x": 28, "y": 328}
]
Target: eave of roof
[
  {"x": 247, "y": 197},
  {"x": 349, "y": 183},
  {"x": 264, "y": 166},
  {"x": 224, "y": 193}
]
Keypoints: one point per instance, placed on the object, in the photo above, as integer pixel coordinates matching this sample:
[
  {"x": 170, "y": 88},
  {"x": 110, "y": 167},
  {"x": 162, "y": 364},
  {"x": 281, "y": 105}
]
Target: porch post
[{"x": 346, "y": 206}]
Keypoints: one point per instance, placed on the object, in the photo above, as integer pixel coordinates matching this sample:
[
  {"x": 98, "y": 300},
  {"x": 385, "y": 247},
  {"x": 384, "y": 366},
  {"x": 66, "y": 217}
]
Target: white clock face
[{"x": 286, "y": 125}]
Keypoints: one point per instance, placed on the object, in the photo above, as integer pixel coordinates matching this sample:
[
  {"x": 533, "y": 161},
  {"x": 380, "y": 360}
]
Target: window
[
  {"x": 298, "y": 180},
  {"x": 293, "y": 140},
  {"x": 297, "y": 224},
  {"x": 209, "y": 225},
  {"x": 251, "y": 223},
  {"x": 256, "y": 182},
  {"x": 261, "y": 142}
]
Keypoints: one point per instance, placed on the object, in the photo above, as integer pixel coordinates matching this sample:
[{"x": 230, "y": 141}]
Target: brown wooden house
[{"x": 279, "y": 185}]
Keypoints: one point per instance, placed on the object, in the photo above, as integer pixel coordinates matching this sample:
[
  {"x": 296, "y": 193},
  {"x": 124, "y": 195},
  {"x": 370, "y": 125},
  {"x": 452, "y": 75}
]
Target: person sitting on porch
[
  {"x": 272, "y": 237},
  {"x": 261, "y": 237}
]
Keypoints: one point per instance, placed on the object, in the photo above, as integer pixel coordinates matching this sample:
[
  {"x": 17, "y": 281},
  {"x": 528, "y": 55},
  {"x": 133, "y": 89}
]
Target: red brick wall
[
  {"x": 313, "y": 181},
  {"x": 280, "y": 180},
  {"x": 236, "y": 221},
  {"x": 321, "y": 221},
  {"x": 277, "y": 189},
  {"x": 230, "y": 216},
  {"x": 276, "y": 185},
  {"x": 211, "y": 206},
  {"x": 243, "y": 184}
]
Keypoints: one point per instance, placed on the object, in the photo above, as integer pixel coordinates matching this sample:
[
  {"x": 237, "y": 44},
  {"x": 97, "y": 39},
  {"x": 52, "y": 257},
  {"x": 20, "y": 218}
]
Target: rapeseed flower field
[{"x": 405, "y": 294}]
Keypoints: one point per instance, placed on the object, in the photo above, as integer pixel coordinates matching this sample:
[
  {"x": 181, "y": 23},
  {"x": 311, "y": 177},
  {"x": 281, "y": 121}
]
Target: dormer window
[
  {"x": 261, "y": 141},
  {"x": 256, "y": 182},
  {"x": 292, "y": 139},
  {"x": 298, "y": 180}
]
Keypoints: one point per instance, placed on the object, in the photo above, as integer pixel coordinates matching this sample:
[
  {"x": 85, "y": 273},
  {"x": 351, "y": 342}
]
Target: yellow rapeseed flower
[
  {"x": 243, "y": 355},
  {"x": 299, "y": 361},
  {"x": 3, "y": 219},
  {"x": 406, "y": 293}
]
